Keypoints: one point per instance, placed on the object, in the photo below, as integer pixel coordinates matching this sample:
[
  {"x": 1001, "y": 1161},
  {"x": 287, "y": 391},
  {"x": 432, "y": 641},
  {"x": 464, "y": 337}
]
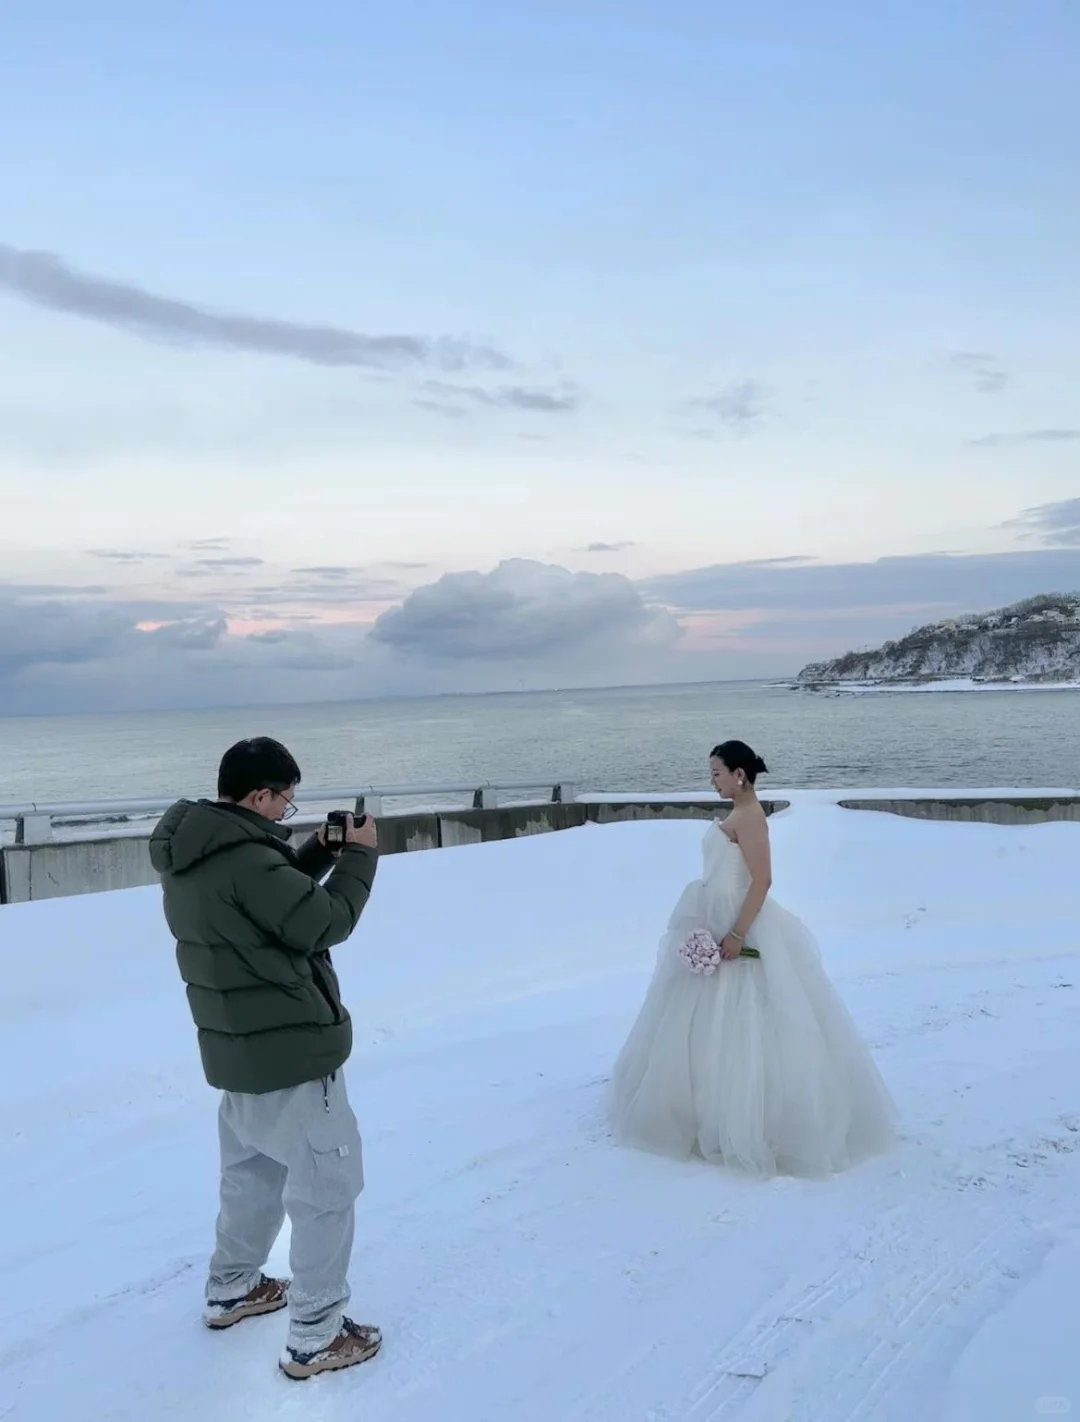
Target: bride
[{"x": 754, "y": 1063}]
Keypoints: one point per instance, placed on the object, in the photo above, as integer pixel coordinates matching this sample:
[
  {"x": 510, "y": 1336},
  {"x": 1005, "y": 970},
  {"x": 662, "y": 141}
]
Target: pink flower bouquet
[{"x": 701, "y": 952}]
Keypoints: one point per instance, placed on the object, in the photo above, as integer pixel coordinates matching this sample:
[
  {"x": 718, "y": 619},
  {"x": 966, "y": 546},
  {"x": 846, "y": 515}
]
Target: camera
[{"x": 337, "y": 827}]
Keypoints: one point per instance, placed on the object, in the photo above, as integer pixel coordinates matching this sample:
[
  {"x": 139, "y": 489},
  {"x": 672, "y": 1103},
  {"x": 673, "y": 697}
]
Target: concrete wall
[
  {"x": 56, "y": 870},
  {"x": 92, "y": 865},
  {"x": 1033, "y": 810}
]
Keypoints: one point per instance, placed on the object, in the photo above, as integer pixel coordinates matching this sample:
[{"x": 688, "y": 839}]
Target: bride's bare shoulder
[{"x": 746, "y": 819}]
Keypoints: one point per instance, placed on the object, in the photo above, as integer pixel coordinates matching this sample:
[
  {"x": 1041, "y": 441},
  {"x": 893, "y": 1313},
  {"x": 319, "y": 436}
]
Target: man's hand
[{"x": 365, "y": 833}]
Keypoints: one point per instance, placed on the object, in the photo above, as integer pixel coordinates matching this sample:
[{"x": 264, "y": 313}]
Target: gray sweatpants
[{"x": 294, "y": 1152}]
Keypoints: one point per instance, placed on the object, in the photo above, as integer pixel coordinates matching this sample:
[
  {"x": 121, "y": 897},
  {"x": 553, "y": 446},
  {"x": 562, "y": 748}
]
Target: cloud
[
  {"x": 985, "y": 371},
  {"x": 548, "y": 402},
  {"x": 63, "y": 590},
  {"x": 558, "y": 400},
  {"x": 231, "y": 562},
  {"x": 789, "y": 561},
  {"x": 523, "y": 624},
  {"x": 439, "y": 407},
  {"x": 191, "y": 634},
  {"x": 994, "y": 441},
  {"x": 37, "y": 629},
  {"x": 738, "y": 406},
  {"x": 785, "y": 613},
  {"x": 606, "y": 547},
  {"x": 114, "y": 555},
  {"x": 68, "y": 654},
  {"x": 1056, "y": 525},
  {"x": 351, "y": 588},
  {"x": 951, "y": 581},
  {"x": 522, "y": 611},
  {"x": 335, "y": 581},
  {"x": 46, "y": 281}
]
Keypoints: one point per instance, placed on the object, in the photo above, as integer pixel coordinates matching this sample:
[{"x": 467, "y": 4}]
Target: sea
[{"x": 634, "y": 739}]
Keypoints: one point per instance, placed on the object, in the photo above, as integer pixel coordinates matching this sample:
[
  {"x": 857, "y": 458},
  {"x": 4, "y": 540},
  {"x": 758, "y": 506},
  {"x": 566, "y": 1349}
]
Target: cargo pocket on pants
[{"x": 336, "y": 1162}]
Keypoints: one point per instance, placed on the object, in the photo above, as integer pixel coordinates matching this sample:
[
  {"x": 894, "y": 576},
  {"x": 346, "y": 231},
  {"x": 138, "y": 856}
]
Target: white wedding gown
[{"x": 757, "y": 1065}]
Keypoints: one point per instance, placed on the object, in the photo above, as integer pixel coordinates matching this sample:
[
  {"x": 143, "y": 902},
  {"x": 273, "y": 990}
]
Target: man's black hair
[{"x": 258, "y": 764}]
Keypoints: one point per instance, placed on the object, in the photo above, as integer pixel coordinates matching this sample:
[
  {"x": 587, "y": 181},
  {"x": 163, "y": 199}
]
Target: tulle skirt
[{"x": 759, "y": 1065}]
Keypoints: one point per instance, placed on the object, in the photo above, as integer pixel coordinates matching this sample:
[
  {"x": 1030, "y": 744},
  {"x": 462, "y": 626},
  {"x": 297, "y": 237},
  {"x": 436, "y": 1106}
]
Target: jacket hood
[{"x": 194, "y": 830}]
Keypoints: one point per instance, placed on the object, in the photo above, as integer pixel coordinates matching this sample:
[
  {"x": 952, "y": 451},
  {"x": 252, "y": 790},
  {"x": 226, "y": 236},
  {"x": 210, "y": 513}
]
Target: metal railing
[{"x": 35, "y": 822}]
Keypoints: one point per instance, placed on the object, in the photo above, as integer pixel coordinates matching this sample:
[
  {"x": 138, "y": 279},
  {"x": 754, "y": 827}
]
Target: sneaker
[
  {"x": 268, "y": 1296},
  {"x": 356, "y": 1343}
]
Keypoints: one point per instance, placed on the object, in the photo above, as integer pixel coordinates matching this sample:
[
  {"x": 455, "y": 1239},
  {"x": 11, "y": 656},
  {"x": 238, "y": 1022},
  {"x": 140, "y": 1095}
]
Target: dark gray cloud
[
  {"x": 736, "y": 407},
  {"x": 994, "y": 441},
  {"x": 190, "y": 634},
  {"x": 42, "y": 630},
  {"x": 335, "y": 571},
  {"x": 790, "y": 612},
  {"x": 65, "y": 654},
  {"x": 43, "y": 623},
  {"x": 607, "y": 547},
  {"x": 983, "y": 370},
  {"x": 950, "y": 581},
  {"x": 208, "y": 545},
  {"x": 45, "y": 280},
  {"x": 523, "y": 610},
  {"x": 1056, "y": 525},
  {"x": 558, "y": 400}
]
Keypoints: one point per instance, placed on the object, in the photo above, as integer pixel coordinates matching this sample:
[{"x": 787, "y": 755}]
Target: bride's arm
[{"x": 754, "y": 843}]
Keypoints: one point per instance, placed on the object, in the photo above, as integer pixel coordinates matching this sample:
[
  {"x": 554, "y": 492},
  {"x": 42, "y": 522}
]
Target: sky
[{"x": 352, "y": 350}]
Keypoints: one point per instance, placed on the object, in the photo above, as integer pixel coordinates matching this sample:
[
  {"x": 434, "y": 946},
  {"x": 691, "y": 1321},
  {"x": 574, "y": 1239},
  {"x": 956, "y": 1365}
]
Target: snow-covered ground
[
  {"x": 959, "y": 683},
  {"x": 523, "y": 1268}
]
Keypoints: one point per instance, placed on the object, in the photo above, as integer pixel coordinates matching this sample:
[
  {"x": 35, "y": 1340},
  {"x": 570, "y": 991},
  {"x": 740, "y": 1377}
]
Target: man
[{"x": 254, "y": 926}]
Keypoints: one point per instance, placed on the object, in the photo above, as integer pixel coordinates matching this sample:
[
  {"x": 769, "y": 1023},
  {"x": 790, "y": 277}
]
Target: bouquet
[{"x": 701, "y": 952}]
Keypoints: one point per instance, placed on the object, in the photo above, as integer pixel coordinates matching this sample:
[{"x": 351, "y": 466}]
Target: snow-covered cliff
[{"x": 1037, "y": 640}]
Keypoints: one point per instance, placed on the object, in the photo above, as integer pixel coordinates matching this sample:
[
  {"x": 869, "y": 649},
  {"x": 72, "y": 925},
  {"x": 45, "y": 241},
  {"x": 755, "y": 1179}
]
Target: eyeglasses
[{"x": 290, "y": 809}]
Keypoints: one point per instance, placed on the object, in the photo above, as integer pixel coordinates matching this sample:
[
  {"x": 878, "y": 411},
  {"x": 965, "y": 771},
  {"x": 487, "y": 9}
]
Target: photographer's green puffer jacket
[{"x": 253, "y": 928}]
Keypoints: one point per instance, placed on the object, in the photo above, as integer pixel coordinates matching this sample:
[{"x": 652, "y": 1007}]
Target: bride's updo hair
[{"x": 737, "y": 756}]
